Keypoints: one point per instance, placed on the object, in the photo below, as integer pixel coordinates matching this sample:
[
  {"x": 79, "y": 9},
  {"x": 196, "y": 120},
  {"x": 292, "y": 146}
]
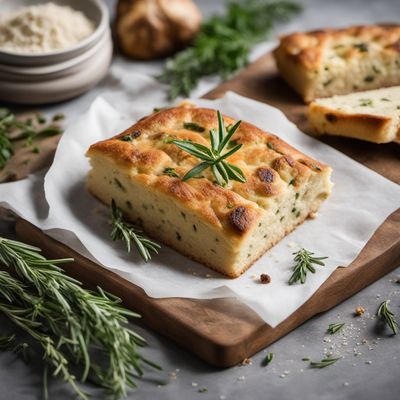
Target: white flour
[{"x": 43, "y": 28}]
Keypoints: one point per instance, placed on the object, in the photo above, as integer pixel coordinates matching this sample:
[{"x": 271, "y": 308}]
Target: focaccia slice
[
  {"x": 340, "y": 61},
  {"x": 225, "y": 228},
  {"x": 373, "y": 115}
]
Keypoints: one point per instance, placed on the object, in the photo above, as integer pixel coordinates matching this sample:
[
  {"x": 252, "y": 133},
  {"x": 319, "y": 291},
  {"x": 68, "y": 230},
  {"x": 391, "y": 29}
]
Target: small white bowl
[
  {"x": 62, "y": 74},
  {"x": 95, "y": 10},
  {"x": 59, "y": 86}
]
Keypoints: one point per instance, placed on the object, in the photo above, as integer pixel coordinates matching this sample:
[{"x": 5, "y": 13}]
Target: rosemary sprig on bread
[{"x": 214, "y": 157}]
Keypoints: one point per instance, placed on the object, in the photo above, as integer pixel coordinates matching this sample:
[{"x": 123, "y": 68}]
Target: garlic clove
[{"x": 148, "y": 29}]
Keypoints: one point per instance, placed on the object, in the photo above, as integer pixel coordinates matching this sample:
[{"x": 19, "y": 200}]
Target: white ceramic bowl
[{"x": 61, "y": 74}]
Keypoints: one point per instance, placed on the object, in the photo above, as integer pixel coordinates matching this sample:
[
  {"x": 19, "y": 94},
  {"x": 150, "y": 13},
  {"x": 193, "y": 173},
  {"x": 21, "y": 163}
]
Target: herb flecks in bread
[
  {"x": 339, "y": 61},
  {"x": 226, "y": 228}
]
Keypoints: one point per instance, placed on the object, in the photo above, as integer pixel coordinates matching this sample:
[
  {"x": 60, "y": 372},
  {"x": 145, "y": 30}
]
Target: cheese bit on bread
[
  {"x": 228, "y": 227},
  {"x": 340, "y": 61},
  {"x": 373, "y": 115}
]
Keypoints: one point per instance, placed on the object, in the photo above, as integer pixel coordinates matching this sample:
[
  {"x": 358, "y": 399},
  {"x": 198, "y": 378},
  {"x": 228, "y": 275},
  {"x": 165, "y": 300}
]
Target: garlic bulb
[{"x": 148, "y": 29}]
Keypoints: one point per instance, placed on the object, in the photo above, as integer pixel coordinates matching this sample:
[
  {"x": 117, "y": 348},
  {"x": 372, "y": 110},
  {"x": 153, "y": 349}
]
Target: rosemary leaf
[
  {"x": 325, "y": 362},
  {"x": 171, "y": 172},
  {"x": 267, "y": 360},
  {"x": 214, "y": 157},
  {"x": 7, "y": 342},
  {"x": 224, "y": 43},
  {"x": 303, "y": 263},
  {"x": 386, "y": 315},
  {"x": 333, "y": 328},
  {"x": 127, "y": 232}
]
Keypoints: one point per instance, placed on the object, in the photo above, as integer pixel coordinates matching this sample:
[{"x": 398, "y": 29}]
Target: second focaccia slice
[
  {"x": 226, "y": 228},
  {"x": 340, "y": 61},
  {"x": 373, "y": 115}
]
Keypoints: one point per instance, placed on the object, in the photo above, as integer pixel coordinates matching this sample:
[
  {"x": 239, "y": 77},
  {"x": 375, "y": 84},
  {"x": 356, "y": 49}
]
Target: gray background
[{"x": 369, "y": 367}]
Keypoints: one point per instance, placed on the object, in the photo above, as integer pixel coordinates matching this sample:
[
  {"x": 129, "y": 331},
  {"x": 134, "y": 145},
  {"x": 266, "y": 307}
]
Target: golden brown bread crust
[{"x": 233, "y": 209}]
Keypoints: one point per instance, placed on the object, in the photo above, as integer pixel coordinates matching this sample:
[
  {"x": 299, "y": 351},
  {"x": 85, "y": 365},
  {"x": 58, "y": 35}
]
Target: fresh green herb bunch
[
  {"x": 214, "y": 157},
  {"x": 123, "y": 230},
  {"x": 224, "y": 43},
  {"x": 304, "y": 261},
  {"x": 388, "y": 316},
  {"x": 68, "y": 322},
  {"x": 13, "y": 129}
]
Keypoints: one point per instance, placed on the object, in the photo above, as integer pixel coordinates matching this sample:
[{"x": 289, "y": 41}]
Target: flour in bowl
[{"x": 43, "y": 28}]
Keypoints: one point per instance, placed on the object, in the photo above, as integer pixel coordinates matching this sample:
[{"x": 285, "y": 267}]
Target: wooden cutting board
[{"x": 223, "y": 331}]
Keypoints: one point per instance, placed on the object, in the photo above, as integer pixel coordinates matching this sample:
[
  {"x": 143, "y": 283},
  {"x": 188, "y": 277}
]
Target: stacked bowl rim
[{"x": 96, "y": 10}]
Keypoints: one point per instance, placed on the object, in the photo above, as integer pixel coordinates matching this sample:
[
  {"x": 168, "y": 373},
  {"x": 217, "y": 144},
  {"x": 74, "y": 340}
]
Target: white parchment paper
[{"x": 360, "y": 202}]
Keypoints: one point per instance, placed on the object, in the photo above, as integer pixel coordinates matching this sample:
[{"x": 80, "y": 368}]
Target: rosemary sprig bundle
[
  {"x": 304, "y": 261},
  {"x": 224, "y": 43},
  {"x": 214, "y": 157},
  {"x": 333, "y": 328},
  {"x": 123, "y": 230},
  {"x": 13, "y": 129},
  {"x": 386, "y": 315},
  {"x": 325, "y": 362},
  {"x": 68, "y": 322}
]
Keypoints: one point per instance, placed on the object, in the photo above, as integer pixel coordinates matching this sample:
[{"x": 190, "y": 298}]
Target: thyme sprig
[
  {"x": 123, "y": 230},
  {"x": 303, "y": 263},
  {"x": 224, "y": 43},
  {"x": 325, "y": 362},
  {"x": 333, "y": 328},
  {"x": 13, "y": 129},
  {"x": 386, "y": 315},
  {"x": 68, "y": 322},
  {"x": 214, "y": 157}
]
